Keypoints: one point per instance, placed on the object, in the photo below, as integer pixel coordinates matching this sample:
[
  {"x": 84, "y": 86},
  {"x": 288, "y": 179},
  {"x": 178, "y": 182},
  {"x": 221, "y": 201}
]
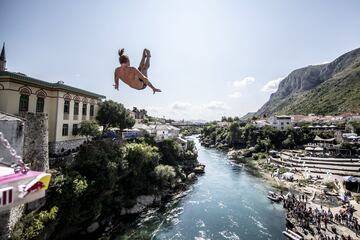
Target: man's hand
[{"x": 156, "y": 90}]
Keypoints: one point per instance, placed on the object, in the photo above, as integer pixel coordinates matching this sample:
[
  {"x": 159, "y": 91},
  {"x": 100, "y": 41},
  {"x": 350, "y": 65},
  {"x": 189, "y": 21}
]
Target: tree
[
  {"x": 356, "y": 126},
  {"x": 89, "y": 129},
  {"x": 113, "y": 114},
  {"x": 165, "y": 174},
  {"x": 171, "y": 152},
  {"x": 234, "y": 134}
]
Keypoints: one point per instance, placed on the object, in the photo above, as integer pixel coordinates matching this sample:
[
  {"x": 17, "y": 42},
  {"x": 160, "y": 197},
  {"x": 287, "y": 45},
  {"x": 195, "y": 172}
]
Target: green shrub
[
  {"x": 31, "y": 225},
  {"x": 165, "y": 174}
]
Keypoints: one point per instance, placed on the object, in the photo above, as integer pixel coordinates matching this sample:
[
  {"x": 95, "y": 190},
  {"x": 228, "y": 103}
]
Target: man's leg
[
  {"x": 142, "y": 66},
  {"x": 147, "y": 60}
]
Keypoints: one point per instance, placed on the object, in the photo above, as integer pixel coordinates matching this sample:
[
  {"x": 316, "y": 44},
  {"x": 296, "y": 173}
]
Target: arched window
[
  {"x": 92, "y": 108},
  {"x": 76, "y": 106},
  {"x": 67, "y": 99},
  {"x": 24, "y": 99},
  {"x": 40, "y": 101},
  {"x": 84, "y": 107}
]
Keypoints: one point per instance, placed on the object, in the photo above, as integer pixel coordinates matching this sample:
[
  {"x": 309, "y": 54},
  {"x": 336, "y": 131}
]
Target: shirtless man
[{"x": 134, "y": 77}]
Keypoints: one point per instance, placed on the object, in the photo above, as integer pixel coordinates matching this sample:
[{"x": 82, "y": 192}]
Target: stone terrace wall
[{"x": 57, "y": 147}]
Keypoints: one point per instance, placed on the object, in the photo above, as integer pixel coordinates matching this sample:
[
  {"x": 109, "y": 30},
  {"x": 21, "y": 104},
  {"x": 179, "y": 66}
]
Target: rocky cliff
[{"x": 322, "y": 89}]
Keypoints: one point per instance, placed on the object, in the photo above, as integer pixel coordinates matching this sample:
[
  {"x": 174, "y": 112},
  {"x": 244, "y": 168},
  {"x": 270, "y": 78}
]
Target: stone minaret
[{"x": 3, "y": 59}]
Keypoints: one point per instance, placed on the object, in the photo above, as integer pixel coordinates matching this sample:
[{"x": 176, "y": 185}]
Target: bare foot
[
  {"x": 144, "y": 53},
  {"x": 148, "y": 54},
  {"x": 156, "y": 90},
  {"x": 116, "y": 86}
]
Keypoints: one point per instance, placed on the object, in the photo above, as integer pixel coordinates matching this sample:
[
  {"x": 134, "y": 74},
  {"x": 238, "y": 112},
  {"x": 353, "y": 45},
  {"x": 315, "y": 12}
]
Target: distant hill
[{"x": 321, "y": 89}]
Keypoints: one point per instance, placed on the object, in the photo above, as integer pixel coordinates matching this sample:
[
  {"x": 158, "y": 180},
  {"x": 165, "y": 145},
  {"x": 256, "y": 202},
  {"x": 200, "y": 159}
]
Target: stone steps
[
  {"x": 345, "y": 164},
  {"x": 342, "y": 160},
  {"x": 319, "y": 169}
]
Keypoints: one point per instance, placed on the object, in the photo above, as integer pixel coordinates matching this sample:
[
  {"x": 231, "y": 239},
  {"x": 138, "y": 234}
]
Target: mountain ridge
[{"x": 329, "y": 88}]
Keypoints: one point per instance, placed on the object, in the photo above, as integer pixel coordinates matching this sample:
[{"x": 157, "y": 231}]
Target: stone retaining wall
[
  {"x": 58, "y": 147},
  {"x": 36, "y": 140}
]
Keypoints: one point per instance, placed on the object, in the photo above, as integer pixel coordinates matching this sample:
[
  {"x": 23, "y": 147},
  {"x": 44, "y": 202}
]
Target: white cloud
[
  {"x": 154, "y": 111},
  {"x": 235, "y": 95},
  {"x": 216, "y": 105},
  {"x": 272, "y": 85},
  {"x": 243, "y": 82},
  {"x": 180, "y": 105}
]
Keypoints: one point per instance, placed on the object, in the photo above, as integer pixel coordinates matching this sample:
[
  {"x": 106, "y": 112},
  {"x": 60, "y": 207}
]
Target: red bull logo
[{"x": 41, "y": 182}]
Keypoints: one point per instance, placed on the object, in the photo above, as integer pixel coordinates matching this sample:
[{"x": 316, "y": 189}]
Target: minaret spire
[{"x": 3, "y": 59}]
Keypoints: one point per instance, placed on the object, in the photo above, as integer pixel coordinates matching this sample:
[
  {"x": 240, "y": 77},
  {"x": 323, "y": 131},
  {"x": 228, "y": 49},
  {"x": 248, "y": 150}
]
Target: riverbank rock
[
  {"x": 142, "y": 202},
  {"x": 235, "y": 154},
  {"x": 93, "y": 227},
  {"x": 199, "y": 169},
  {"x": 145, "y": 199},
  {"x": 137, "y": 208},
  {"x": 191, "y": 176}
]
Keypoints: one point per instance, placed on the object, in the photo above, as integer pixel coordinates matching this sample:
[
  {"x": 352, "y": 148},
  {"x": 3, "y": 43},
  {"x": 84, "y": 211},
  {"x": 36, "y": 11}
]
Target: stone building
[
  {"x": 65, "y": 106},
  {"x": 138, "y": 114},
  {"x": 281, "y": 122}
]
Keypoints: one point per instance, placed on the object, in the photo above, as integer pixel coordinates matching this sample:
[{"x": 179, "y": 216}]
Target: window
[
  {"x": 66, "y": 106},
  {"x": 40, "y": 102},
  {"x": 24, "y": 103},
  {"x": 75, "y": 129},
  {"x": 84, "y": 109},
  {"x": 65, "y": 130},
  {"x": 91, "y": 110},
  {"x": 76, "y": 108}
]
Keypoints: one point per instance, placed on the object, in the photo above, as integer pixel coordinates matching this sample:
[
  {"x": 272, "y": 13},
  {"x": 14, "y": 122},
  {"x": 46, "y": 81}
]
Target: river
[{"x": 227, "y": 202}]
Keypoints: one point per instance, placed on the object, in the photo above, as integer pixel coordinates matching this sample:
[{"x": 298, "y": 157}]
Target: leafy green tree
[
  {"x": 142, "y": 159},
  {"x": 89, "y": 128},
  {"x": 171, "y": 152},
  {"x": 275, "y": 136},
  {"x": 113, "y": 114},
  {"x": 288, "y": 142},
  {"x": 165, "y": 174},
  {"x": 356, "y": 126},
  {"x": 234, "y": 134}
]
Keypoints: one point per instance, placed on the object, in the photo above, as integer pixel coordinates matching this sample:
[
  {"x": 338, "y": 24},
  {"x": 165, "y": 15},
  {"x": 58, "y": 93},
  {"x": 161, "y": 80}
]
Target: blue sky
[{"x": 210, "y": 57}]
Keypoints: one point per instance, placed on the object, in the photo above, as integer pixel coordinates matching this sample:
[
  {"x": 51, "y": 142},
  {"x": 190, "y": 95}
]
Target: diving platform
[{"x": 20, "y": 188}]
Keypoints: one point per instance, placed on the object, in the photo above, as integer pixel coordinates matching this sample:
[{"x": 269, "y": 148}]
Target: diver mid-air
[{"x": 134, "y": 77}]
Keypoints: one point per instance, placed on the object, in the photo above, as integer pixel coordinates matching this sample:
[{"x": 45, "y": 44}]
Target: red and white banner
[{"x": 6, "y": 196}]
